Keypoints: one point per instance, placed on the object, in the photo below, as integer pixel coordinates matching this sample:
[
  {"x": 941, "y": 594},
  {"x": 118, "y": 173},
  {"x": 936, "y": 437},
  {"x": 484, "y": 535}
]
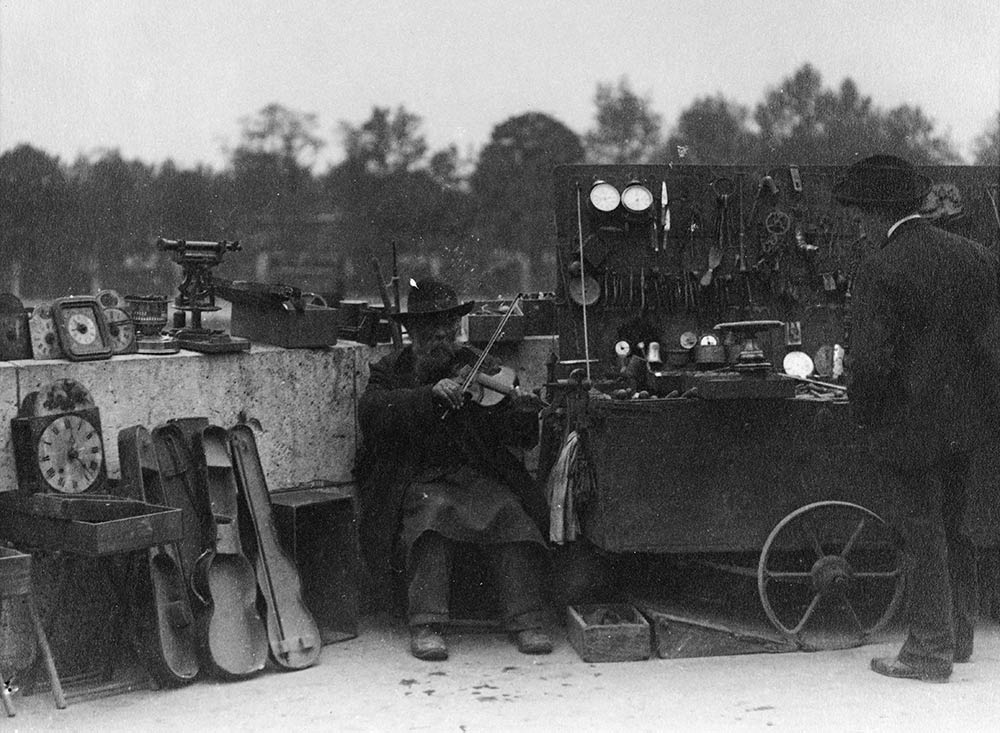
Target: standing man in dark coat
[
  {"x": 924, "y": 360},
  {"x": 435, "y": 471}
]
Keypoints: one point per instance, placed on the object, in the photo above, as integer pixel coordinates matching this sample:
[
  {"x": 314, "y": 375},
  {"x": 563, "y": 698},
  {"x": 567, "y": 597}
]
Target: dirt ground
[{"x": 371, "y": 683}]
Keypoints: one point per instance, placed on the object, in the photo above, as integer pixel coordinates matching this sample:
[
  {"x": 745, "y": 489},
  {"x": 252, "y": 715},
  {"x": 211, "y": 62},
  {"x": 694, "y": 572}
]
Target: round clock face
[
  {"x": 70, "y": 454},
  {"x": 121, "y": 329},
  {"x": 637, "y": 198},
  {"x": 81, "y": 327},
  {"x": 604, "y": 197}
]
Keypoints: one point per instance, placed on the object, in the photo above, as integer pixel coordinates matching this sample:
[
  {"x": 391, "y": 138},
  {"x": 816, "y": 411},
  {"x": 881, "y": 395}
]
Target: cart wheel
[{"x": 830, "y": 555}]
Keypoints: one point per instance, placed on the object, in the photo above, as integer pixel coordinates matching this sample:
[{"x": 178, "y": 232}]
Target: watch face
[{"x": 70, "y": 454}]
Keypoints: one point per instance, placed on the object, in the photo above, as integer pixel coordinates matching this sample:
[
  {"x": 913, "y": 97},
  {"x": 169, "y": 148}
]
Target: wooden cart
[{"x": 790, "y": 483}]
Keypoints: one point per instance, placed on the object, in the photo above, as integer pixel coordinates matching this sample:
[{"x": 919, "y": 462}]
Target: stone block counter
[{"x": 304, "y": 400}]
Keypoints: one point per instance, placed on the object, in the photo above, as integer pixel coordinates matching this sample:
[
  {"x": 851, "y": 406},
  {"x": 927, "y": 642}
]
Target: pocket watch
[
  {"x": 44, "y": 339},
  {"x": 121, "y": 328},
  {"x": 83, "y": 331},
  {"x": 57, "y": 441}
]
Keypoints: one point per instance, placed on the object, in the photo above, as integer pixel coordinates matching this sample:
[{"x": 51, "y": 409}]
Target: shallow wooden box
[
  {"x": 609, "y": 632},
  {"x": 87, "y": 526}
]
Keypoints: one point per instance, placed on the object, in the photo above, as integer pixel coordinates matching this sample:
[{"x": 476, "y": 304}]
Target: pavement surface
[{"x": 371, "y": 683}]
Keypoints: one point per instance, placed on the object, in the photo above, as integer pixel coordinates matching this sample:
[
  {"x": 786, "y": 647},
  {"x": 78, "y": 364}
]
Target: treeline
[{"x": 484, "y": 221}]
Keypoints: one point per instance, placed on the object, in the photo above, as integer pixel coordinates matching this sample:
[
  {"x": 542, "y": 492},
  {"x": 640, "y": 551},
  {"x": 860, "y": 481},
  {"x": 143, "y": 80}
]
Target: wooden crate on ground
[{"x": 612, "y": 632}]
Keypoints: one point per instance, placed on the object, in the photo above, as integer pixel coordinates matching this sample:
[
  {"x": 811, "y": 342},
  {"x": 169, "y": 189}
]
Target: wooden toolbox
[{"x": 313, "y": 327}]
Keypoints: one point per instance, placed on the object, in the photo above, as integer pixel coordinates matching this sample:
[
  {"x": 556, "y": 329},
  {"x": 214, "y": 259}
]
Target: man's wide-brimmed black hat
[
  {"x": 431, "y": 300},
  {"x": 881, "y": 179}
]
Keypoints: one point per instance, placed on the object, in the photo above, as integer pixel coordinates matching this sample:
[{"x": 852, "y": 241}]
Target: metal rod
[
  {"x": 836, "y": 387},
  {"x": 583, "y": 280}
]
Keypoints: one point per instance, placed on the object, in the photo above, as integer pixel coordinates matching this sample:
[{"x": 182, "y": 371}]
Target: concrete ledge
[{"x": 303, "y": 399}]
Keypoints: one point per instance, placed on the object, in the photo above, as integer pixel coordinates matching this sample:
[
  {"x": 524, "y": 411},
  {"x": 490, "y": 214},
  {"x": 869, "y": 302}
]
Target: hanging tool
[
  {"x": 642, "y": 289},
  {"x": 664, "y": 214},
  {"x": 742, "y": 257},
  {"x": 723, "y": 188}
]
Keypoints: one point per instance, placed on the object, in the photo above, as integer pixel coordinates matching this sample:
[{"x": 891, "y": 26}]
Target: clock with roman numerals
[{"x": 57, "y": 440}]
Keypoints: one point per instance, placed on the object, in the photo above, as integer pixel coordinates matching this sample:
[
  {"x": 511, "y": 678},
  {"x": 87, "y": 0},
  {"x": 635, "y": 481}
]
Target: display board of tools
[{"x": 664, "y": 253}]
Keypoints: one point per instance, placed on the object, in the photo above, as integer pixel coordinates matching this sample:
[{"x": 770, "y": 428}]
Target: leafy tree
[
  {"x": 387, "y": 189},
  {"x": 986, "y": 148},
  {"x": 627, "y": 130},
  {"x": 32, "y": 213},
  {"x": 272, "y": 165},
  {"x": 512, "y": 184},
  {"x": 801, "y": 121},
  {"x": 386, "y": 143},
  {"x": 112, "y": 202},
  {"x": 712, "y": 131}
]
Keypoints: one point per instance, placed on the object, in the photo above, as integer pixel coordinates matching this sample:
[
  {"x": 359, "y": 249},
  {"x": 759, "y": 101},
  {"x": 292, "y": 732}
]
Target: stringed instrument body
[
  {"x": 166, "y": 631},
  {"x": 231, "y": 634},
  {"x": 293, "y": 635}
]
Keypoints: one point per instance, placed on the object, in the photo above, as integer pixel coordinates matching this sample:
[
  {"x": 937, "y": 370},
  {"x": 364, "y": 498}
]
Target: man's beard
[{"x": 433, "y": 363}]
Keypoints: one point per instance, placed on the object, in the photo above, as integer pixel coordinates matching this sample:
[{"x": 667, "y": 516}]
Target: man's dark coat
[
  {"x": 402, "y": 425},
  {"x": 925, "y": 344}
]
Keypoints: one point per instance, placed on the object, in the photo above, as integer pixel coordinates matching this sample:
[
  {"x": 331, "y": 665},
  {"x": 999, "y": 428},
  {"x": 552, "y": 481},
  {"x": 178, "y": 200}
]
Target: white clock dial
[
  {"x": 70, "y": 454},
  {"x": 604, "y": 197},
  {"x": 81, "y": 328},
  {"x": 637, "y": 198}
]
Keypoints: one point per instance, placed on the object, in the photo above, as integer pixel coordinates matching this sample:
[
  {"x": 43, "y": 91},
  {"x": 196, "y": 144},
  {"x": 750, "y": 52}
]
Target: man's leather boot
[{"x": 427, "y": 643}]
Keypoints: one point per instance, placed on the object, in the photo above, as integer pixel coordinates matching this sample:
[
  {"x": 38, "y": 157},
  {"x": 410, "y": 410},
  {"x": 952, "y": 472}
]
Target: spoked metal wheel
[{"x": 831, "y": 560}]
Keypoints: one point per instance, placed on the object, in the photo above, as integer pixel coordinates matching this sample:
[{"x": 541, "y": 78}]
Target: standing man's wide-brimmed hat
[
  {"x": 881, "y": 180},
  {"x": 431, "y": 300}
]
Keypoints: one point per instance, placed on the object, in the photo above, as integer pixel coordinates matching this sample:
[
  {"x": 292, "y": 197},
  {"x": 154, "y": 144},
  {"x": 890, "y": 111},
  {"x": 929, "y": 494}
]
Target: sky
[{"x": 172, "y": 79}]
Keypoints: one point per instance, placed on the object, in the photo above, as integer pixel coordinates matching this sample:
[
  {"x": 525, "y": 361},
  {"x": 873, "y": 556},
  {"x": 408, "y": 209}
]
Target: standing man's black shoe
[
  {"x": 427, "y": 643},
  {"x": 892, "y": 667}
]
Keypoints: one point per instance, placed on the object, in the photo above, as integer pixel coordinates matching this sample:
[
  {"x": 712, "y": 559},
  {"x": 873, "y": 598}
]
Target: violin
[{"x": 485, "y": 389}]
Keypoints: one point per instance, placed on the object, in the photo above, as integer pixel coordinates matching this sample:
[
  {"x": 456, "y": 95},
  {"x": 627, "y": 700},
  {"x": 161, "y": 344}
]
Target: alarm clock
[
  {"x": 57, "y": 441},
  {"x": 82, "y": 328},
  {"x": 121, "y": 328},
  {"x": 42, "y": 328}
]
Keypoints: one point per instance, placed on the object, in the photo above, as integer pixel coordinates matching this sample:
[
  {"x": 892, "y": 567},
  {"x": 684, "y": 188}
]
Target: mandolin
[{"x": 292, "y": 633}]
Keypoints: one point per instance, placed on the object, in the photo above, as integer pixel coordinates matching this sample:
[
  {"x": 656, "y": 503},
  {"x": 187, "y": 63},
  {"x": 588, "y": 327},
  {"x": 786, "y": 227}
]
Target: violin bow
[{"x": 489, "y": 344}]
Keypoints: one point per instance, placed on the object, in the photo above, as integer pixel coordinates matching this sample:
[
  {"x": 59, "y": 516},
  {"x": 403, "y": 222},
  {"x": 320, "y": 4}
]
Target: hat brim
[
  {"x": 852, "y": 191},
  {"x": 455, "y": 312}
]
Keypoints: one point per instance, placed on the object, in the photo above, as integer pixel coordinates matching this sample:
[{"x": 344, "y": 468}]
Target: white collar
[{"x": 896, "y": 225}]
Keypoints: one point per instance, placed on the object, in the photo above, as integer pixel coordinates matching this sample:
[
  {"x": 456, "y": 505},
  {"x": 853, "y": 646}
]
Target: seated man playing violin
[{"x": 435, "y": 471}]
